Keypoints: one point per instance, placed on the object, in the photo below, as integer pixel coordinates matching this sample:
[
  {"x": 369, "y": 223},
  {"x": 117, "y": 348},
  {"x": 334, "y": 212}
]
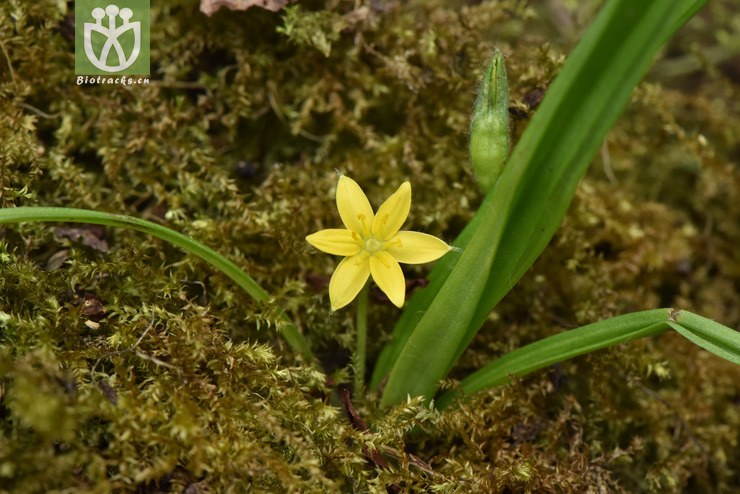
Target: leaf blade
[
  {"x": 710, "y": 335},
  {"x": 59, "y": 214},
  {"x": 547, "y": 164},
  {"x": 560, "y": 347}
]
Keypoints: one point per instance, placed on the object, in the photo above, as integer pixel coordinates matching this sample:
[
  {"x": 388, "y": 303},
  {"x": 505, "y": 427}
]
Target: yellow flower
[{"x": 373, "y": 245}]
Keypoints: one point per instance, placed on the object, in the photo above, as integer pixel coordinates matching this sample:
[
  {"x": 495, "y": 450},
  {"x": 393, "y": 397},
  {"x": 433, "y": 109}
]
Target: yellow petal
[
  {"x": 389, "y": 277},
  {"x": 348, "y": 279},
  {"x": 336, "y": 241},
  {"x": 416, "y": 248},
  {"x": 393, "y": 213},
  {"x": 353, "y": 206}
]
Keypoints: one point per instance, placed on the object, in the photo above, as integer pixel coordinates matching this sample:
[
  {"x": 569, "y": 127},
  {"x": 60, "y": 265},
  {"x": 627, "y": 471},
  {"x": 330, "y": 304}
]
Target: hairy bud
[{"x": 489, "y": 127}]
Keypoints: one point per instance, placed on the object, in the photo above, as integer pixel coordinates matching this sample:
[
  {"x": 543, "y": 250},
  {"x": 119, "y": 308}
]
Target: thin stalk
[
  {"x": 50, "y": 214},
  {"x": 361, "y": 344}
]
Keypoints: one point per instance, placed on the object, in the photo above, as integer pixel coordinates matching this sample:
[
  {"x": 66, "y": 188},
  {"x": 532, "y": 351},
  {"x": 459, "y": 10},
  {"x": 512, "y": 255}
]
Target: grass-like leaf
[
  {"x": 52, "y": 214},
  {"x": 525, "y": 207},
  {"x": 710, "y": 335},
  {"x": 716, "y": 338}
]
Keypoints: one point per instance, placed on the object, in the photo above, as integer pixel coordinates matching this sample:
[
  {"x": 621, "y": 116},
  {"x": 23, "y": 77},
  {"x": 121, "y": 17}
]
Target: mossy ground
[{"x": 126, "y": 365}]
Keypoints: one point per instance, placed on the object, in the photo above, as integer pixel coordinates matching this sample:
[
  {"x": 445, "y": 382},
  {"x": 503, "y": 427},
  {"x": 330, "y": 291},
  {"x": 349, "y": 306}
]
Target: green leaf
[
  {"x": 710, "y": 335},
  {"x": 706, "y": 333},
  {"x": 561, "y": 347},
  {"x": 526, "y": 205},
  {"x": 443, "y": 325},
  {"x": 34, "y": 214}
]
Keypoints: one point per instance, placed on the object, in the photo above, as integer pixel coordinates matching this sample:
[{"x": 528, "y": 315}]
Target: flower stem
[{"x": 361, "y": 346}]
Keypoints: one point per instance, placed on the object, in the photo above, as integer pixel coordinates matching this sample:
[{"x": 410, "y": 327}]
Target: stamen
[
  {"x": 384, "y": 220},
  {"x": 363, "y": 220}
]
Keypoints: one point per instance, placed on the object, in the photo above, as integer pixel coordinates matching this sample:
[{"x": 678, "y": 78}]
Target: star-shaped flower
[{"x": 373, "y": 245}]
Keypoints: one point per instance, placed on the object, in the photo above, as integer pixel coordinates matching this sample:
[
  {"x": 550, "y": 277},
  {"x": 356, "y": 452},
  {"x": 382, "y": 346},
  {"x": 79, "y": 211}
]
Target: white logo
[{"x": 112, "y": 33}]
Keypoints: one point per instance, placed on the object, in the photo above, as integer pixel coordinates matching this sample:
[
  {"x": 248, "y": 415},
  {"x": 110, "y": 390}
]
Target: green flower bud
[{"x": 489, "y": 127}]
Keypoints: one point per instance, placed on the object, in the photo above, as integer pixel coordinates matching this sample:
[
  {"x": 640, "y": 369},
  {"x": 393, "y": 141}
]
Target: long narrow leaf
[
  {"x": 708, "y": 334},
  {"x": 536, "y": 187},
  {"x": 593, "y": 104},
  {"x": 35, "y": 214},
  {"x": 441, "y": 328}
]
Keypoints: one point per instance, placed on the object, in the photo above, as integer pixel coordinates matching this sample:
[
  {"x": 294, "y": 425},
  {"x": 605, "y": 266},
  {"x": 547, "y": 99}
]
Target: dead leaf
[
  {"x": 208, "y": 7},
  {"x": 92, "y": 236},
  {"x": 108, "y": 391},
  {"x": 57, "y": 260}
]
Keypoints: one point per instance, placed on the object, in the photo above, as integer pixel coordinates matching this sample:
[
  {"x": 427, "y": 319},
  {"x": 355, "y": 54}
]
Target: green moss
[{"x": 181, "y": 383}]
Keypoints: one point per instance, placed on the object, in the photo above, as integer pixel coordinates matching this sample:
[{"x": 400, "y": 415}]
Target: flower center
[{"x": 373, "y": 245}]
